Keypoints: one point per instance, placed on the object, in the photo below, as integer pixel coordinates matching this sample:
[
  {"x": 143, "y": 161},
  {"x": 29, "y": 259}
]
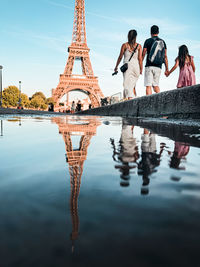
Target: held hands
[{"x": 167, "y": 73}]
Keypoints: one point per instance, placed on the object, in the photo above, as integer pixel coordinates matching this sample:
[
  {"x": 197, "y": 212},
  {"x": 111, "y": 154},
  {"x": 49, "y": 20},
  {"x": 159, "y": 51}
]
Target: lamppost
[
  {"x": 1, "y": 68},
  {"x": 20, "y": 89},
  {"x": 1, "y": 128}
]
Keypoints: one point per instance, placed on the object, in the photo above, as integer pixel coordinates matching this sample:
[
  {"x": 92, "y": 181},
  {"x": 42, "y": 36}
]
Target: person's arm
[
  {"x": 140, "y": 58},
  {"x": 144, "y": 53},
  {"x": 166, "y": 63},
  {"x": 174, "y": 67},
  {"x": 120, "y": 57},
  {"x": 192, "y": 63}
]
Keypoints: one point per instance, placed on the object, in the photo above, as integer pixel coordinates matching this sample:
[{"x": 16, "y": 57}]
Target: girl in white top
[{"x": 134, "y": 65}]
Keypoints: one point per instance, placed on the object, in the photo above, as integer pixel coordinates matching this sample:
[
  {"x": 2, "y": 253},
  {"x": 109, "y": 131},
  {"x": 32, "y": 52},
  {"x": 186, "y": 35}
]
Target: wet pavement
[{"x": 90, "y": 191}]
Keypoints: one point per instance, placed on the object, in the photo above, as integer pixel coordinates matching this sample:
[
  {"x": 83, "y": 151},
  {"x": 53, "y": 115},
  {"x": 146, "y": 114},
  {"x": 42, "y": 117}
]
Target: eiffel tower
[
  {"x": 75, "y": 159},
  {"x": 78, "y": 50}
]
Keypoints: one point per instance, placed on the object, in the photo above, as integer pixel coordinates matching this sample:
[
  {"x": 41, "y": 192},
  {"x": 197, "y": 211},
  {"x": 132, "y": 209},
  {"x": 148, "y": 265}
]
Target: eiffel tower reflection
[{"x": 86, "y": 129}]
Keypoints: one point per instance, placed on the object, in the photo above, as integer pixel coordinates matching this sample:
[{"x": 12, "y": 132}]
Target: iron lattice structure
[
  {"x": 75, "y": 159},
  {"x": 78, "y": 50}
]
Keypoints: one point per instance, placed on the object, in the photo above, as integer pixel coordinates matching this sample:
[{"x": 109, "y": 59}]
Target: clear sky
[{"x": 35, "y": 34}]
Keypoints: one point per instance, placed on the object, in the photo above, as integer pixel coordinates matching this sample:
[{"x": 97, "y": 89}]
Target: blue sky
[{"x": 35, "y": 34}]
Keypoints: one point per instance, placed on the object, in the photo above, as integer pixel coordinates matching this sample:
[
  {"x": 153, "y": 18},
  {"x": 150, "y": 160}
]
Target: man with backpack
[{"x": 156, "y": 51}]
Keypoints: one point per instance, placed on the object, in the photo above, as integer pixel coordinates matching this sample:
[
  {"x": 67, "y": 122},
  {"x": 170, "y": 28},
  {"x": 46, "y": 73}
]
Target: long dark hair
[
  {"x": 183, "y": 53},
  {"x": 132, "y": 38}
]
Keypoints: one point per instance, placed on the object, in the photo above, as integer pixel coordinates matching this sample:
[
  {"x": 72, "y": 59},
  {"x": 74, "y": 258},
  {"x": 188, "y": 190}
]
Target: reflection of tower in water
[{"x": 75, "y": 158}]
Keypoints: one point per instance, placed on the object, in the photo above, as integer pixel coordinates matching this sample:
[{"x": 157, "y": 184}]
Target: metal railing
[
  {"x": 113, "y": 99},
  {"x": 116, "y": 98}
]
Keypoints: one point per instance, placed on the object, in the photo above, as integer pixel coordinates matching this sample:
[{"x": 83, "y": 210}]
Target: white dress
[
  {"x": 129, "y": 144},
  {"x": 132, "y": 74}
]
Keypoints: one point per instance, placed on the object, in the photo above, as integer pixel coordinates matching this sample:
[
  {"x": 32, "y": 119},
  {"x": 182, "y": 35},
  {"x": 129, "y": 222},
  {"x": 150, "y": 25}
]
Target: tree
[
  {"x": 44, "y": 106},
  {"x": 40, "y": 94},
  {"x": 50, "y": 100},
  {"x": 25, "y": 102},
  {"x": 10, "y": 96},
  {"x": 38, "y": 102}
]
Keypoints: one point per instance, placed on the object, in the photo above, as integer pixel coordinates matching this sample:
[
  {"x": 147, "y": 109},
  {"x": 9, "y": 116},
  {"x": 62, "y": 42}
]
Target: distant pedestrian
[
  {"x": 156, "y": 51},
  {"x": 187, "y": 68},
  {"x": 132, "y": 53},
  {"x": 73, "y": 107},
  {"x": 78, "y": 106}
]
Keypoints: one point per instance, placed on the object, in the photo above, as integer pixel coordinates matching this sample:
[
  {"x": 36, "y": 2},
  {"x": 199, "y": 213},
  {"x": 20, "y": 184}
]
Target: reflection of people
[
  {"x": 150, "y": 159},
  {"x": 180, "y": 152},
  {"x": 127, "y": 153}
]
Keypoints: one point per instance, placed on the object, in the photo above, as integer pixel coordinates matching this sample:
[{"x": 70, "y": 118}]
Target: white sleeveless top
[{"x": 132, "y": 74}]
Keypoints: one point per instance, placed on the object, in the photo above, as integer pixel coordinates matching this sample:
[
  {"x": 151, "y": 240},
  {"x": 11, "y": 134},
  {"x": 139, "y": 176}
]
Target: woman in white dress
[{"x": 134, "y": 65}]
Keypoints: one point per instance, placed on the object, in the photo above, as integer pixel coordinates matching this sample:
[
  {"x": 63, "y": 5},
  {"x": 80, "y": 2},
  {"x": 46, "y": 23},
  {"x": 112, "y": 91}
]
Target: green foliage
[
  {"x": 50, "y": 101},
  {"x": 25, "y": 102},
  {"x": 44, "y": 106},
  {"x": 38, "y": 103},
  {"x": 39, "y": 94},
  {"x": 10, "y": 96}
]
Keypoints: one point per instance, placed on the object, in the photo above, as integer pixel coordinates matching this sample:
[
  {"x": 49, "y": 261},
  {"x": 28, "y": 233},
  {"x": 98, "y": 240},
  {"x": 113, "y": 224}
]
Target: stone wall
[{"x": 178, "y": 103}]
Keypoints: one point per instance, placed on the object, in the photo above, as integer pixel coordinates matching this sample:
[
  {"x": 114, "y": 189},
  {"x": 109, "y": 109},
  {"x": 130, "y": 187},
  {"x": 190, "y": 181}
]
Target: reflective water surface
[{"x": 87, "y": 191}]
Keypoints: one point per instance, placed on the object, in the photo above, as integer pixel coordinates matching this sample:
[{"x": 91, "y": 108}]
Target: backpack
[{"x": 157, "y": 52}]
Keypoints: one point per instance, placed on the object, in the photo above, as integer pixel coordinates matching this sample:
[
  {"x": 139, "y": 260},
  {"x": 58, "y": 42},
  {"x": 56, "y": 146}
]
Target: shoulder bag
[{"x": 125, "y": 66}]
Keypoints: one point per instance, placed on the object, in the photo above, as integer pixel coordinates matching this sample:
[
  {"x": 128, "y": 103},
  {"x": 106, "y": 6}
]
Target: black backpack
[{"x": 157, "y": 52}]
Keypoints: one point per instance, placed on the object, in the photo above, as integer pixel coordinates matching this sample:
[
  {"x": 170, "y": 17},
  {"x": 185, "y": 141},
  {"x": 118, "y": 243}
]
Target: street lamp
[
  {"x": 20, "y": 83},
  {"x": 1, "y": 67},
  {"x": 1, "y": 128}
]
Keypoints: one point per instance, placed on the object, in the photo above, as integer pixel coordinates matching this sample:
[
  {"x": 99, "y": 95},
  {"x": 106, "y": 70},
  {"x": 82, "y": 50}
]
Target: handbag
[{"x": 125, "y": 66}]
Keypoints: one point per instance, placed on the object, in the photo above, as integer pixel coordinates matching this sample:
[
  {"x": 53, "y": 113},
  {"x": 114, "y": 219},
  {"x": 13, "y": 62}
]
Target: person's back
[
  {"x": 132, "y": 53},
  {"x": 151, "y": 51},
  {"x": 73, "y": 105},
  {"x": 79, "y": 106},
  {"x": 187, "y": 68},
  {"x": 156, "y": 51}
]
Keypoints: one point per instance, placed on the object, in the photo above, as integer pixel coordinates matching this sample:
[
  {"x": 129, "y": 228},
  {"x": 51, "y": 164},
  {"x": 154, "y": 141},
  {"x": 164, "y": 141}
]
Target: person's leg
[
  {"x": 148, "y": 79},
  {"x": 148, "y": 90},
  {"x": 156, "y": 79},
  {"x": 156, "y": 89}
]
